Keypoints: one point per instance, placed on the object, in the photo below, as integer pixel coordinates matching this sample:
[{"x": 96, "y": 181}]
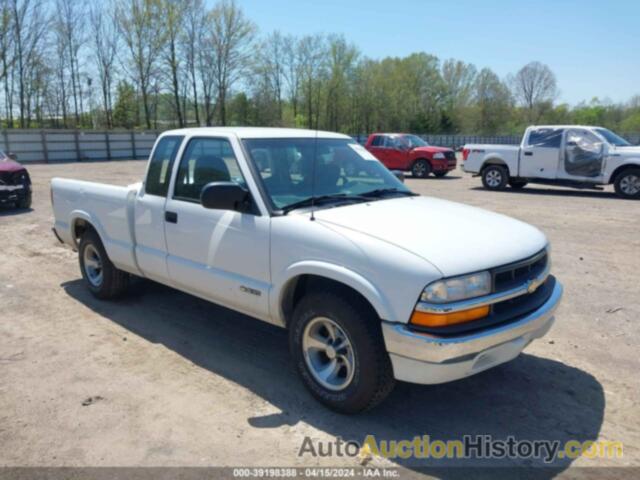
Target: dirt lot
[{"x": 161, "y": 378}]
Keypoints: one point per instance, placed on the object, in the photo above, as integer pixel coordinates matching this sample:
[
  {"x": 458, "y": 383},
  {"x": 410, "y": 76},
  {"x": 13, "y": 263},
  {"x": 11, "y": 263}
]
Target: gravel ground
[{"x": 161, "y": 378}]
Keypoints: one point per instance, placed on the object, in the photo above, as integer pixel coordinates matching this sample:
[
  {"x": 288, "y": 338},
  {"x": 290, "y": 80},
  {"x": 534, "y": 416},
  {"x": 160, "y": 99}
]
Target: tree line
[{"x": 172, "y": 63}]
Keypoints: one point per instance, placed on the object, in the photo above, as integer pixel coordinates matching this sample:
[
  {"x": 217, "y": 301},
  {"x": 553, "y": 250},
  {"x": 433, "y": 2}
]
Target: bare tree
[
  {"x": 104, "y": 41},
  {"x": 232, "y": 36},
  {"x": 533, "y": 85},
  {"x": 138, "y": 25},
  {"x": 172, "y": 16},
  {"x": 192, "y": 45},
  {"x": 7, "y": 57},
  {"x": 29, "y": 26},
  {"x": 292, "y": 71},
  {"x": 271, "y": 67},
  {"x": 312, "y": 53},
  {"x": 69, "y": 23}
]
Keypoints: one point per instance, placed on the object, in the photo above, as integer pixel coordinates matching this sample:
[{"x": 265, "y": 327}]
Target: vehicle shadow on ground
[
  {"x": 557, "y": 192},
  {"x": 6, "y": 211},
  {"x": 530, "y": 398}
]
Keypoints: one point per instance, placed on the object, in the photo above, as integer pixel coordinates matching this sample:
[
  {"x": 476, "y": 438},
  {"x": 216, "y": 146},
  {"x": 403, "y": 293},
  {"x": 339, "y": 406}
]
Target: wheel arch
[
  {"x": 81, "y": 222},
  {"x": 622, "y": 168},
  {"x": 308, "y": 276},
  {"x": 493, "y": 161}
]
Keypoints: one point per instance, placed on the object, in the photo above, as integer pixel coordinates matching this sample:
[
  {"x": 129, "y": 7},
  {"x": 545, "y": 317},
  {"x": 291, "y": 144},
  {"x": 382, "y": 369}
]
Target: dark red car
[
  {"x": 399, "y": 151},
  {"x": 15, "y": 183}
]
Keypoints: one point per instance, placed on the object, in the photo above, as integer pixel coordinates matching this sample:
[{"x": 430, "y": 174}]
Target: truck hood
[
  {"x": 431, "y": 149},
  {"x": 9, "y": 165},
  {"x": 455, "y": 238}
]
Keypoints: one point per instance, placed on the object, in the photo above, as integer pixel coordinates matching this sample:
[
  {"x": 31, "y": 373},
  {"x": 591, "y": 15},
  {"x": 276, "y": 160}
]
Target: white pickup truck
[
  {"x": 570, "y": 155},
  {"x": 373, "y": 282}
]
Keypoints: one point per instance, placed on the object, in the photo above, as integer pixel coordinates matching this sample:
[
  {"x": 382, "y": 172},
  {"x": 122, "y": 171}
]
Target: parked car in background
[
  {"x": 411, "y": 153},
  {"x": 567, "y": 155},
  {"x": 265, "y": 221},
  {"x": 15, "y": 183}
]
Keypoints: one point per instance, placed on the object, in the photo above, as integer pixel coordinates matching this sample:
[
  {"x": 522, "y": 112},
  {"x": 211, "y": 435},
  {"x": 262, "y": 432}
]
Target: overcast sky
[{"x": 592, "y": 46}]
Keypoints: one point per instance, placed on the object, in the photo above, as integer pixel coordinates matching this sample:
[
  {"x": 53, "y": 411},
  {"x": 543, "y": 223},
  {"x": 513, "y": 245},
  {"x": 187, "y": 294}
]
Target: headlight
[
  {"x": 458, "y": 288},
  {"x": 438, "y": 156}
]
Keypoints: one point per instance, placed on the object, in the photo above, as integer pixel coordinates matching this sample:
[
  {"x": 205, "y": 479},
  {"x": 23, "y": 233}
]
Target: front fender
[{"x": 331, "y": 271}]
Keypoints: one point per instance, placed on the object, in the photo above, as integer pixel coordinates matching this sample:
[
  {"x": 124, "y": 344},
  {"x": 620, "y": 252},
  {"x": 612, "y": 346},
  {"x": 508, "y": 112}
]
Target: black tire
[
  {"x": 25, "y": 202},
  {"x": 421, "y": 168},
  {"x": 372, "y": 378},
  {"x": 517, "y": 184},
  {"x": 113, "y": 281},
  {"x": 440, "y": 174},
  {"x": 627, "y": 183},
  {"x": 495, "y": 177}
]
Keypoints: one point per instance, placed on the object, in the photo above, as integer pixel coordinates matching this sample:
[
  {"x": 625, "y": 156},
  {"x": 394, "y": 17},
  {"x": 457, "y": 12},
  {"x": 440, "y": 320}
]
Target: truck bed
[{"x": 107, "y": 207}]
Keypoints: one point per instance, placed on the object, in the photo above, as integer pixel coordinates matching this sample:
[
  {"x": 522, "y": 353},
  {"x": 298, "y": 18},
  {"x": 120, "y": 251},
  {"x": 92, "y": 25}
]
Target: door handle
[
  {"x": 528, "y": 154},
  {"x": 171, "y": 217}
]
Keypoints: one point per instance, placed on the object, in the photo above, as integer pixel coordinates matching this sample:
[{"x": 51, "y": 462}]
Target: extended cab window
[
  {"x": 159, "y": 173},
  {"x": 545, "y": 138},
  {"x": 205, "y": 160},
  {"x": 377, "y": 141}
]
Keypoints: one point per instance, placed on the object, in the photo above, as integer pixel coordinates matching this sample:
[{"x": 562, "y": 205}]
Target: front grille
[
  {"x": 515, "y": 274},
  {"x": 6, "y": 178},
  {"x": 450, "y": 155}
]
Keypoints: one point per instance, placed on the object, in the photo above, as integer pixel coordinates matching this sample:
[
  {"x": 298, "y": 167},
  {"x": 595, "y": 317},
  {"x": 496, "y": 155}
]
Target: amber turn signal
[{"x": 445, "y": 319}]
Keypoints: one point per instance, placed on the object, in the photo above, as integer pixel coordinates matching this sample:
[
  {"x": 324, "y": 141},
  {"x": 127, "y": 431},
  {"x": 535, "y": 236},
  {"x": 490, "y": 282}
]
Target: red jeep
[{"x": 399, "y": 151}]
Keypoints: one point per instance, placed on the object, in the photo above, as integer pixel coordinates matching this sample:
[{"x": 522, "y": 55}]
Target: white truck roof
[{"x": 256, "y": 132}]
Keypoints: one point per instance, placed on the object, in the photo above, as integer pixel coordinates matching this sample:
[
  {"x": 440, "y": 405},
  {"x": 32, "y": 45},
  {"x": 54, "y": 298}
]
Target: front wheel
[
  {"x": 495, "y": 177},
  {"x": 627, "y": 184},
  {"x": 339, "y": 352},
  {"x": 104, "y": 280},
  {"x": 440, "y": 174},
  {"x": 25, "y": 202},
  {"x": 420, "y": 169}
]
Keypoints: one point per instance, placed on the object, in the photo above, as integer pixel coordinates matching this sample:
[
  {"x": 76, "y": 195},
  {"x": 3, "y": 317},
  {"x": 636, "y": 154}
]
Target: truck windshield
[
  {"x": 612, "y": 138},
  {"x": 294, "y": 170}
]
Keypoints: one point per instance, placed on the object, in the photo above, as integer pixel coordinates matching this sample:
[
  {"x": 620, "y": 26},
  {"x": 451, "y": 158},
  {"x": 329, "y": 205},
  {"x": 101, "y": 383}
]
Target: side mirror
[
  {"x": 399, "y": 174},
  {"x": 225, "y": 196},
  {"x": 12, "y": 156}
]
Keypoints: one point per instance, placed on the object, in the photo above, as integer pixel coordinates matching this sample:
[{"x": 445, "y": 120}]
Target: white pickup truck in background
[
  {"x": 270, "y": 223},
  {"x": 570, "y": 155}
]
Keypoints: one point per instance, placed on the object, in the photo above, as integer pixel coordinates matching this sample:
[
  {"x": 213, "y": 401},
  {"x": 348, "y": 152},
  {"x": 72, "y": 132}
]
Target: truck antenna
[{"x": 313, "y": 175}]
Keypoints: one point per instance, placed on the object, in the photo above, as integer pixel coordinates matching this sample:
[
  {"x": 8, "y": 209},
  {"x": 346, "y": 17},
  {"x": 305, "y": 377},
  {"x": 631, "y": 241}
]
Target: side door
[
  {"x": 395, "y": 154},
  {"x": 220, "y": 255},
  {"x": 540, "y": 155},
  {"x": 583, "y": 156},
  {"x": 377, "y": 147},
  {"x": 148, "y": 215}
]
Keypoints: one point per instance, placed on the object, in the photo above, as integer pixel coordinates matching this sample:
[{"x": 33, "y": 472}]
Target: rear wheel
[
  {"x": 421, "y": 169},
  {"x": 339, "y": 352},
  {"x": 495, "y": 177},
  {"x": 627, "y": 183},
  {"x": 104, "y": 280}
]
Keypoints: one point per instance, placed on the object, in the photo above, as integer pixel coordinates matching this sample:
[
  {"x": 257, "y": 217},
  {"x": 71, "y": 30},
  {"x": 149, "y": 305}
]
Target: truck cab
[
  {"x": 411, "y": 153},
  {"x": 574, "y": 156}
]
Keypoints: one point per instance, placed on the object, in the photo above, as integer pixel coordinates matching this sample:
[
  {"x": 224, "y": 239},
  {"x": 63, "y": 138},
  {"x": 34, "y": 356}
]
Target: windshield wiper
[
  {"x": 381, "y": 192},
  {"x": 321, "y": 199}
]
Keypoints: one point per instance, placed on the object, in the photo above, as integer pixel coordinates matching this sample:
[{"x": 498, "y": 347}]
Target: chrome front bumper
[{"x": 422, "y": 358}]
